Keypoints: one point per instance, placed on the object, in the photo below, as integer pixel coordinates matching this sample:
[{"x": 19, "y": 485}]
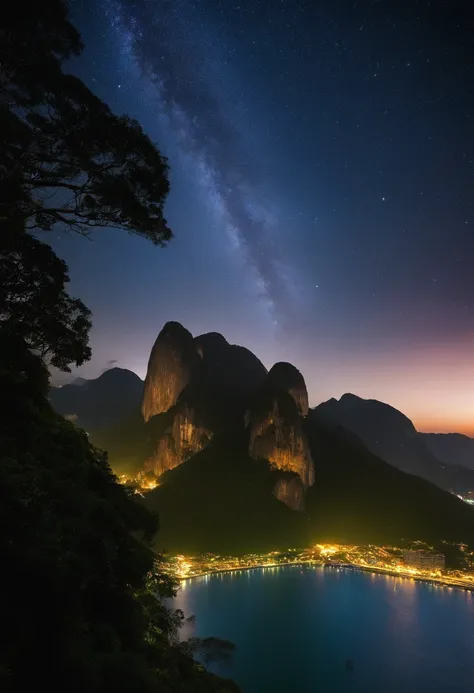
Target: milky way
[
  {"x": 322, "y": 190},
  {"x": 171, "y": 48}
]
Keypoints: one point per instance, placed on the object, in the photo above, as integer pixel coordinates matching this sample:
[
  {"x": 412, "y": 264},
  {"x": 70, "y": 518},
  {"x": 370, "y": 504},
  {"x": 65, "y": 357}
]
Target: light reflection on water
[{"x": 295, "y": 627}]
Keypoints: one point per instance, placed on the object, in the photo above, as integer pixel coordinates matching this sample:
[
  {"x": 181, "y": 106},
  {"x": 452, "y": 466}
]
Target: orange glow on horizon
[{"x": 432, "y": 385}]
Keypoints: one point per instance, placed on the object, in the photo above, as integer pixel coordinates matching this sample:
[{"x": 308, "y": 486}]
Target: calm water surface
[{"x": 295, "y": 627}]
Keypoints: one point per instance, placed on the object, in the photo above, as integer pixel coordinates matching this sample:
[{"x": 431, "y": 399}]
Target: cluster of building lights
[
  {"x": 140, "y": 483},
  {"x": 469, "y": 500},
  {"x": 419, "y": 562}
]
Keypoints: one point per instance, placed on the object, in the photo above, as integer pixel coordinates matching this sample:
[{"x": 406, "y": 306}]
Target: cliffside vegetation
[
  {"x": 83, "y": 596},
  {"x": 221, "y": 500}
]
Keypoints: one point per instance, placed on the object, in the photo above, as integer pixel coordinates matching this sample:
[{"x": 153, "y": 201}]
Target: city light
[
  {"x": 420, "y": 562},
  {"x": 326, "y": 550},
  {"x": 140, "y": 483}
]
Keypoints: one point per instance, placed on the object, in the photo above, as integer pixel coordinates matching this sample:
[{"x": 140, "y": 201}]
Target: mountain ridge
[
  {"x": 242, "y": 464},
  {"x": 101, "y": 401},
  {"x": 451, "y": 448},
  {"x": 391, "y": 435}
]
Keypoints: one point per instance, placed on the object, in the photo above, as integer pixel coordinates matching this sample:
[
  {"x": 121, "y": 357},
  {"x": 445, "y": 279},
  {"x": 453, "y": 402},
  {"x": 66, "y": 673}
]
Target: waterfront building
[{"x": 424, "y": 560}]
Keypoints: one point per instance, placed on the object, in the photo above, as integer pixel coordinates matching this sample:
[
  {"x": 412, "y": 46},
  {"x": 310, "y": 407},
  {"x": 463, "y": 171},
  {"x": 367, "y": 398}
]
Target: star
[{"x": 306, "y": 129}]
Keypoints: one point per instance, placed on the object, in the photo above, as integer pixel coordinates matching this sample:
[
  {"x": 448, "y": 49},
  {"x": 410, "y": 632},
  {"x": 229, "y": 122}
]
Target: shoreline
[{"x": 374, "y": 570}]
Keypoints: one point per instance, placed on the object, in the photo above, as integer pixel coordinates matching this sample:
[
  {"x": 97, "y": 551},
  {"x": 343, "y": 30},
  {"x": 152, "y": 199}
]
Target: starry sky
[{"x": 322, "y": 171}]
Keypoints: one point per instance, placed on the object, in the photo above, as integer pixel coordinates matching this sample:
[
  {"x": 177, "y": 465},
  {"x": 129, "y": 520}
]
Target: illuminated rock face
[
  {"x": 197, "y": 388},
  {"x": 183, "y": 439},
  {"x": 201, "y": 386},
  {"x": 290, "y": 492},
  {"x": 286, "y": 378},
  {"x": 276, "y": 431},
  {"x": 173, "y": 361},
  {"x": 277, "y": 435}
]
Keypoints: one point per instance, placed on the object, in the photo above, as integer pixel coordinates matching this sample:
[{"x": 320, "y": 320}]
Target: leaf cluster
[{"x": 83, "y": 599}]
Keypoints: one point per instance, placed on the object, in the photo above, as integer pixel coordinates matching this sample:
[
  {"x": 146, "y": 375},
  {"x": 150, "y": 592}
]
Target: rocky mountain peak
[
  {"x": 194, "y": 388},
  {"x": 210, "y": 344},
  {"x": 227, "y": 367},
  {"x": 173, "y": 361},
  {"x": 284, "y": 377},
  {"x": 380, "y": 413},
  {"x": 391, "y": 435},
  {"x": 276, "y": 425}
]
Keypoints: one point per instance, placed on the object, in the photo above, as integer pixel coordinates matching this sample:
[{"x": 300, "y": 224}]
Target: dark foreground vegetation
[
  {"x": 83, "y": 597},
  {"x": 82, "y": 593},
  {"x": 221, "y": 500}
]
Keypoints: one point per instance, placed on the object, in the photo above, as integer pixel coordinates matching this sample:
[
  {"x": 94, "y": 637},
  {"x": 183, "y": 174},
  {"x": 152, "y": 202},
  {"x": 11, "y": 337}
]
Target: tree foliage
[
  {"x": 34, "y": 41},
  {"x": 34, "y": 304},
  {"x": 70, "y": 159},
  {"x": 66, "y": 162},
  {"x": 210, "y": 650},
  {"x": 83, "y": 597}
]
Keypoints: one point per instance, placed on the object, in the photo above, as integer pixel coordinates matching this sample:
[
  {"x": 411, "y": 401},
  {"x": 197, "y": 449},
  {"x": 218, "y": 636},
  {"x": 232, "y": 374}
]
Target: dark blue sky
[{"x": 322, "y": 172}]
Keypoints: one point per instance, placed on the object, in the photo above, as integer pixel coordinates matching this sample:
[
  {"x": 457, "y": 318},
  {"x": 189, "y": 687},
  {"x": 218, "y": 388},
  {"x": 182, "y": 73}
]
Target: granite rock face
[
  {"x": 172, "y": 364},
  {"x": 185, "y": 437},
  {"x": 210, "y": 345},
  {"x": 291, "y": 492},
  {"x": 286, "y": 378},
  {"x": 228, "y": 366},
  {"x": 200, "y": 386},
  {"x": 277, "y": 435}
]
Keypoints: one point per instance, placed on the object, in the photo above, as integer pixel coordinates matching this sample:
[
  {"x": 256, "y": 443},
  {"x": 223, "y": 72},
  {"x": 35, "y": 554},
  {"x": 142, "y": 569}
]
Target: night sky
[{"x": 322, "y": 169}]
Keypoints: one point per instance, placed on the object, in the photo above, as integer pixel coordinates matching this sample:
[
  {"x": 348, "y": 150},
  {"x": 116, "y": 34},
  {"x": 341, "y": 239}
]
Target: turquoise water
[{"x": 295, "y": 627}]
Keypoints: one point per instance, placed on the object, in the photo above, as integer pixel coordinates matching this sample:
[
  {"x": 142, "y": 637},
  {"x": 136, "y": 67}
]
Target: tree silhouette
[
  {"x": 83, "y": 597},
  {"x": 66, "y": 162},
  {"x": 34, "y": 305},
  {"x": 72, "y": 161}
]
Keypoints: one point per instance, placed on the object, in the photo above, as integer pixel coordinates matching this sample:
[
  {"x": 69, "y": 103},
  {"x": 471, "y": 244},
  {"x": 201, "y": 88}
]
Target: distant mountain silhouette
[
  {"x": 222, "y": 500},
  {"x": 242, "y": 465},
  {"x": 107, "y": 399},
  {"x": 451, "y": 448},
  {"x": 392, "y": 436}
]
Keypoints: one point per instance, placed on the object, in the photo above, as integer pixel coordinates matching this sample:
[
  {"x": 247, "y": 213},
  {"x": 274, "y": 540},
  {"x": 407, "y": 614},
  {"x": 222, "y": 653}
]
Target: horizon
[
  {"x": 237, "y": 319},
  {"x": 321, "y": 194},
  {"x": 61, "y": 379}
]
